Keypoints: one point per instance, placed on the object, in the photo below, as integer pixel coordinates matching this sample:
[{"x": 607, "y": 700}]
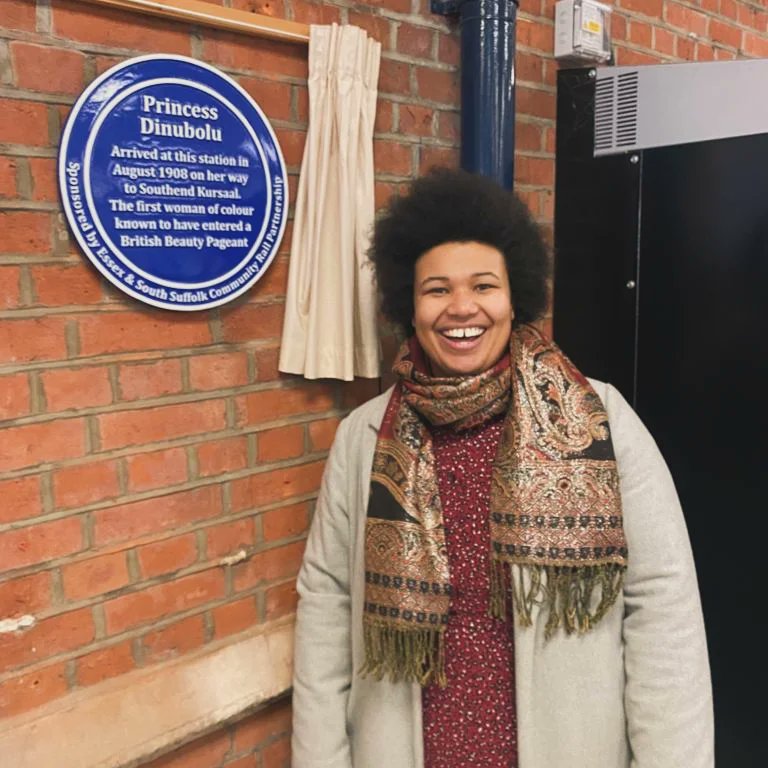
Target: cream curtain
[{"x": 330, "y": 314}]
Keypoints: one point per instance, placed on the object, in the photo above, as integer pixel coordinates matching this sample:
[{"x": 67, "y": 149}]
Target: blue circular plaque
[{"x": 173, "y": 182}]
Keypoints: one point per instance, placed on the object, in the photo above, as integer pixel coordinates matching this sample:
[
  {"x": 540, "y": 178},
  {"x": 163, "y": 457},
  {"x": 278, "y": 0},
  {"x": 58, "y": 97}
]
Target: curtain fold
[{"x": 330, "y": 326}]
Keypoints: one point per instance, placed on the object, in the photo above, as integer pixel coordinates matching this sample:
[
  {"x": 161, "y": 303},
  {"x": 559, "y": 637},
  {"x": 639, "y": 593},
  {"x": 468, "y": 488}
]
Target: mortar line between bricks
[
  {"x": 25, "y": 313},
  {"x": 261, "y": 606},
  {"x": 537, "y": 153},
  {"x": 40, "y": 258},
  {"x": 412, "y": 19},
  {"x": 439, "y": 106},
  {"x": 22, "y": 94},
  {"x": 670, "y": 57},
  {"x": 258, "y": 520},
  {"x": 24, "y": 36},
  {"x": 57, "y": 588},
  {"x": 30, "y": 205},
  {"x": 394, "y": 179},
  {"x": 434, "y": 66},
  {"x": 23, "y": 150},
  {"x": 662, "y": 58},
  {"x": 196, "y": 45},
  {"x": 544, "y": 55},
  {"x": 132, "y": 565},
  {"x": 404, "y": 58},
  {"x": 533, "y": 188},
  {"x": 425, "y": 141},
  {"x": 208, "y": 632},
  {"x": 543, "y": 122},
  {"x": 46, "y": 494}
]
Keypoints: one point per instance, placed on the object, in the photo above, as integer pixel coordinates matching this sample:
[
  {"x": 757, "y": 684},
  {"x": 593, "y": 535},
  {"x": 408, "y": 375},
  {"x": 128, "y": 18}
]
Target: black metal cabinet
[{"x": 661, "y": 277}]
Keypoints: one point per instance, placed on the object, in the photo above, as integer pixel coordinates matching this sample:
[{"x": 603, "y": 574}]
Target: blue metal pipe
[{"x": 487, "y": 85}]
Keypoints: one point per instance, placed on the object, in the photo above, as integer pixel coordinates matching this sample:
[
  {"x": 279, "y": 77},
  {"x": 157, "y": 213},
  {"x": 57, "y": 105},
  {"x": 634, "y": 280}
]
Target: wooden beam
[{"x": 210, "y": 15}]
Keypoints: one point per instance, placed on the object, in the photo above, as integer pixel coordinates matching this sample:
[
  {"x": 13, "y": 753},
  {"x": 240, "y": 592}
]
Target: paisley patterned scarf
[{"x": 556, "y": 532}]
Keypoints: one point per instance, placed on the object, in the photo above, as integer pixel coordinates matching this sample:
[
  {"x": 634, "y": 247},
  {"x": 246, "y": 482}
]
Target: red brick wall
[{"x": 138, "y": 447}]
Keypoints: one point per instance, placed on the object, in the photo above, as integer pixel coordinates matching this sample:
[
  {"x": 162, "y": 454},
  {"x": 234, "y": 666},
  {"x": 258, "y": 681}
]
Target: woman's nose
[{"x": 462, "y": 304}]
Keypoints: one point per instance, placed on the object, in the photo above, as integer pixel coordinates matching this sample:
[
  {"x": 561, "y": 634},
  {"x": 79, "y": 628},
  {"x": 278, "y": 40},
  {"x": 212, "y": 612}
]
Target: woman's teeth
[{"x": 463, "y": 333}]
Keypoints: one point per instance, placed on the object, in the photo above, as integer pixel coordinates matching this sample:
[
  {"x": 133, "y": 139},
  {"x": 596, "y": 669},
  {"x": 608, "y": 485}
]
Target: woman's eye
[
  {"x": 437, "y": 290},
  {"x": 483, "y": 287}
]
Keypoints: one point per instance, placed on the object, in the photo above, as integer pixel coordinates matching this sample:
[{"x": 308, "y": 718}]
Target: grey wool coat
[{"x": 632, "y": 693}]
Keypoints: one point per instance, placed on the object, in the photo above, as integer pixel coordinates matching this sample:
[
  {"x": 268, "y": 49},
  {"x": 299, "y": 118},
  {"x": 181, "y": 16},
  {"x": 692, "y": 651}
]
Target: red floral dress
[{"x": 471, "y": 723}]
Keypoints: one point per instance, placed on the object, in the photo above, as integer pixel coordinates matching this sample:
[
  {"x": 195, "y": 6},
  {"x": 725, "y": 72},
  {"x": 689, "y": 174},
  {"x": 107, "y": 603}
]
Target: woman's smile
[
  {"x": 467, "y": 334},
  {"x": 462, "y": 307}
]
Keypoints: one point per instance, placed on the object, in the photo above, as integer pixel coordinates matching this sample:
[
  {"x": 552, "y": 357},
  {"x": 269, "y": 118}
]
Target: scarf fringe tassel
[
  {"x": 567, "y": 594},
  {"x": 409, "y": 655}
]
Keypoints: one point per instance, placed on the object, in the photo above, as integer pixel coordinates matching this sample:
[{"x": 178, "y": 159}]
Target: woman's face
[{"x": 462, "y": 307}]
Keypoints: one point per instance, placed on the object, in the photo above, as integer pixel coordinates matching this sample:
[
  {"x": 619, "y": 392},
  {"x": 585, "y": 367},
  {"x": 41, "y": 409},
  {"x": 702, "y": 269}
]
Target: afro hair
[{"x": 455, "y": 206}]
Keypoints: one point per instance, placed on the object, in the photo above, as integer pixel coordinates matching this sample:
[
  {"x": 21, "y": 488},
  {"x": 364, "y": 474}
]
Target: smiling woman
[
  {"x": 498, "y": 574},
  {"x": 462, "y": 307},
  {"x": 455, "y": 207}
]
